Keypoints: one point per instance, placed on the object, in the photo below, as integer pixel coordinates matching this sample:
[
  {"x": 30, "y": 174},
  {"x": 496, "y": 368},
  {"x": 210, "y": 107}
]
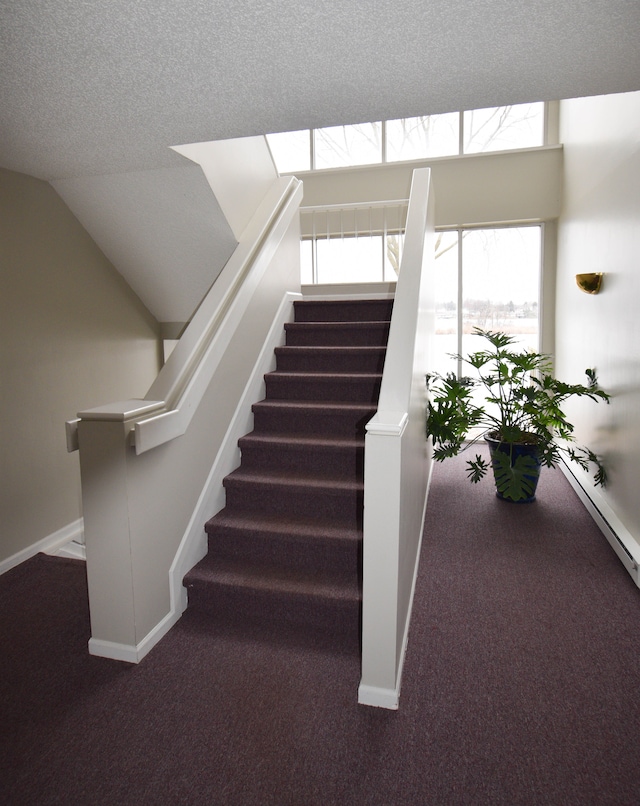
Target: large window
[
  {"x": 426, "y": 137},
  {"x": 423, "y": 137},
  {"x": 487, "y": 278},
  {"x": 341, "y": 146}
]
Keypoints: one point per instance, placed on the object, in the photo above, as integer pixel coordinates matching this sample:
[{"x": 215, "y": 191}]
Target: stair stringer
[{"x": 193, "y": 546}]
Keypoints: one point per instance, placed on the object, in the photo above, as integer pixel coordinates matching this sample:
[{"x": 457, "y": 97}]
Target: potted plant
[{"x": 520, "y": 416}]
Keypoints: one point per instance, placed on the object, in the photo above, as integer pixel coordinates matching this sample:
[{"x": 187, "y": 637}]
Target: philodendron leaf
[
  {"x": 514, "y": 481},
  {"x": 476, "y": 469}
]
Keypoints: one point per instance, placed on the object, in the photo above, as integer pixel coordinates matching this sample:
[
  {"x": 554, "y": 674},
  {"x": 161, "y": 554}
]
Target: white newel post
[
  {"x": 106, "y": 449},
  {"x": 380, "y": 638}
]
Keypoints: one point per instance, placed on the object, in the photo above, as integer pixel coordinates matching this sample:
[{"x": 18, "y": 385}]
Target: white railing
[
  {"x": 139, "y": 503},
  {"x": 398, "y": 462},
  {"x": 357, "y": 218},
  {"x": 191, "y": 365},
  {"x": 354, "y": 221}
]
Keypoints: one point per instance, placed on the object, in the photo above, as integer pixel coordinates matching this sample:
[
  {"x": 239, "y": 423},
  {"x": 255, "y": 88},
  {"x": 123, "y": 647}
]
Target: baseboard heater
[{"x": 617, "y": 535}]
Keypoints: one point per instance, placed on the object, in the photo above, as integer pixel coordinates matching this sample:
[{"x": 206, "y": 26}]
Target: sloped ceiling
[
  {"x": 161, "y": 228},
  {"x": 92, "y": 88}
]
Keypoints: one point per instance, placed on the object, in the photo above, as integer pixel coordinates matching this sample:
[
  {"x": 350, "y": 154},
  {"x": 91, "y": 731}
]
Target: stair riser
[
  {"x": 303, "y": 359},
  {"x": 322, "y": 335},
  {"x": 350, "y": 389},
  {"x": 302, "y": 554},
  {"x": 343, "y": 311},
  {"x": 272, "y": 611},
  {"x": 337, "y": 464},
  {"x": 342, "y": 507},
  {"x": 309, "y": 423}
]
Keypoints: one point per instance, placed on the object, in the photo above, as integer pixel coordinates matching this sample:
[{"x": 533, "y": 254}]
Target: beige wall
[
  {"x": 473, "y": 189},
  {"x": 72, "y": 336},
  {"x": 599, "y": 231}
]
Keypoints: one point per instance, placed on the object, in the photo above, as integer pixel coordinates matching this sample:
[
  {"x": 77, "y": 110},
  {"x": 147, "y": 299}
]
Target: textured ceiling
[
  {"x": 95, "y": 87},
  {"x": 94, "y": 92}
]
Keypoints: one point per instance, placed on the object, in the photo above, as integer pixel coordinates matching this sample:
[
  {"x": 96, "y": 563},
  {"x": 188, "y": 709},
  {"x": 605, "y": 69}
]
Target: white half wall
[
  {"x": 139, "y": 506},
  {"x": 398, "y": 463}
]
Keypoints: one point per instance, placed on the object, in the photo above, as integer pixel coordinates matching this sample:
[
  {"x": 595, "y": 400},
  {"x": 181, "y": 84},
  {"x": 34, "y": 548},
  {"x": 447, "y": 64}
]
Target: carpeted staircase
[{"x": 285, "y": 553}]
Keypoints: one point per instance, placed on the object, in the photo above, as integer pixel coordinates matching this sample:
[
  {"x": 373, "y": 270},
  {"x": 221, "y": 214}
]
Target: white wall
[
  {"x": 72, "y": 335},
  {"x": 163, "y": 230},
  {"x": 599, "y": 231}
]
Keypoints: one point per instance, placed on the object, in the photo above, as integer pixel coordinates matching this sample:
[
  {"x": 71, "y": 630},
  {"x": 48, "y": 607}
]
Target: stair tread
[
  {"x": 330, "y": 348},
  {"x": 279, "y": 525},
  {"x": 290, "y": 480},
  {"x": 333, "y": 325},
  {"x": 267, "y": 578},
  {"x": 295, "y": 442},
  {"x": 322, "y": 407},
  {"x": 343, "y": 377}
]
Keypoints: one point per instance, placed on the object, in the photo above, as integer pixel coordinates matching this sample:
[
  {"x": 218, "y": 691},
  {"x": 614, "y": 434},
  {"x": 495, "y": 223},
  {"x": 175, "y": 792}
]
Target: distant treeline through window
[{"x": 484, "y": 277}]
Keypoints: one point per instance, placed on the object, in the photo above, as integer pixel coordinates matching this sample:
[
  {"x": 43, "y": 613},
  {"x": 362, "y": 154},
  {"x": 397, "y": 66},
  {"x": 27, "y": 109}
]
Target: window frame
[
  {"x": 384, "y": 158},
  {"x": 540, "y": 225}
]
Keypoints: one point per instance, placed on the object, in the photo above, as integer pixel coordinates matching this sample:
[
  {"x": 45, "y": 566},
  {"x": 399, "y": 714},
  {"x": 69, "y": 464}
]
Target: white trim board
[
  {"x": 52, "y": 544},
  {"x": 134, "y": 654}
]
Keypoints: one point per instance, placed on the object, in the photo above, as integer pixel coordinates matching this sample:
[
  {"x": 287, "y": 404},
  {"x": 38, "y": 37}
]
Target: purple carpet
[
  {"x": 520, "y": 685},
  {"x": 285, "y": 552}
]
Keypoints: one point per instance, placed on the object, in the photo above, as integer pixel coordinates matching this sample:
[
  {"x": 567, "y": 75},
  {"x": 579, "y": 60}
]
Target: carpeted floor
[{"x": 520, "y": 687}]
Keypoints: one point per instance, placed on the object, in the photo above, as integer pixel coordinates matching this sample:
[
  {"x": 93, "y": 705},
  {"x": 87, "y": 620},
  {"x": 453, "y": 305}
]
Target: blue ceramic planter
[{"x": 516, "y": 470}]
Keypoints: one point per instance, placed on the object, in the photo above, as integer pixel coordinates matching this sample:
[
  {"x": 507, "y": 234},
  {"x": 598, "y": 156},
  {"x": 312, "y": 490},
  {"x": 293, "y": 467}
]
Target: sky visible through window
[
  {"x": 495, "y": 273},
  {"x": 489, "y": 277},
  {"x": 429, "y": 136}
]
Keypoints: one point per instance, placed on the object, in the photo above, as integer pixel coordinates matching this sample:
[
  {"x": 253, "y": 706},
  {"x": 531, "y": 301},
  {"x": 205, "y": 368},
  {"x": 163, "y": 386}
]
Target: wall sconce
[{"x": 590, "y": 283}]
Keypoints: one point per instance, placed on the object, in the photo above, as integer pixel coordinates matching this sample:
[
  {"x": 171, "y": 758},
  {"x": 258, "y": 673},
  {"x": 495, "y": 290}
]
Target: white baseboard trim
[
  {"x": 379, "y": 697},
  {"x": 618, "y": 536},
  {"x": 51, "y": 544},
  {"x": 193, "y": 546},
  {"x": 130, "y": 653},
  {"x": 73, "y": 550}
]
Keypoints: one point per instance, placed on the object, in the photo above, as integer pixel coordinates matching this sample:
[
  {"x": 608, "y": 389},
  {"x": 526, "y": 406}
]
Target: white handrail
[
  {"x": 354, "y": 218},
  {"x": 395, "y": 392},
  {"x": 183, "y": 380}
]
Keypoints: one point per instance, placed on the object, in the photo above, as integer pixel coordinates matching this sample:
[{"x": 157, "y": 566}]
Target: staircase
[{"x": 284, "y": 554}]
